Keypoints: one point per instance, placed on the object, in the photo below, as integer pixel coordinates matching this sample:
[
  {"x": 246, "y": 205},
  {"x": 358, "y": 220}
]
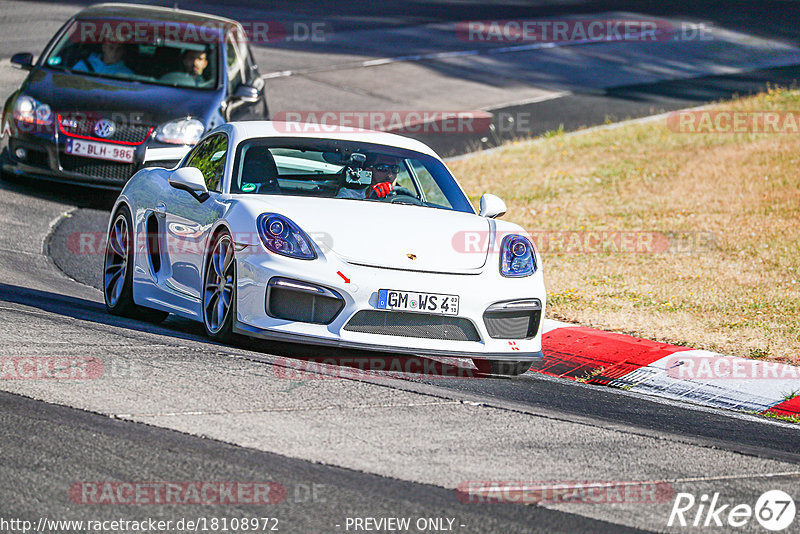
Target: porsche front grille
[{"x": 420, "y": 325}]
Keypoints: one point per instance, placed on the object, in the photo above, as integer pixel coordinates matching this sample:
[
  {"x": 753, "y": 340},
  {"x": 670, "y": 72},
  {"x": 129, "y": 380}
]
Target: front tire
[
  {"x": 501, "y": 367},
  {"x": 118, "y": 271},
  {"x": 219, "y": 289}
]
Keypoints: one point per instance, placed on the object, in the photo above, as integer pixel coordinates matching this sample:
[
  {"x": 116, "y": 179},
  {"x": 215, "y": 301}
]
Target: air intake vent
[
  {"x": 96, "y": 168},
  {"x": 293, "y": 300},
  {"x": 153, "y": 244},
  {"x": 513, "y": 320},
  {"x": 422, "y": 325}
]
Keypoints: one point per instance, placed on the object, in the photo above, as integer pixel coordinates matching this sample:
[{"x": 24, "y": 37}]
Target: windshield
[
  {"x": 345, "y": 170},
  {"x": 150, "y": 52}
]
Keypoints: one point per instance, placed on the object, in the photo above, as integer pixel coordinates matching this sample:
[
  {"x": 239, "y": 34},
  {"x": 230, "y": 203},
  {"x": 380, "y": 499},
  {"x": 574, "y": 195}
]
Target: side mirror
[
  {"x": 247, "y": 93},
  {"x": 492, "y": 206},
  {"x": 189, "y": 179},
  {"x": 23, "y": 60}
]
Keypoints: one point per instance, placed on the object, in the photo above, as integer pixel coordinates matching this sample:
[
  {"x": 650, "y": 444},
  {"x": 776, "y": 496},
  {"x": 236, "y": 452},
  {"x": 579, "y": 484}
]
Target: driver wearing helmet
[{"x": 384, "y": 171}]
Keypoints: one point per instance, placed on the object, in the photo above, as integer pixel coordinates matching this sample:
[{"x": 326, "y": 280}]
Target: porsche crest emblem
[{"x": 411, "y": 256}]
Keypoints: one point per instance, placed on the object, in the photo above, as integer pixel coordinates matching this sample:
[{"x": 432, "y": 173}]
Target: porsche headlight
[
  {"x": 516, "y": 257},
  {"x": 28, "y": 110},
  {"x": 180, "y": 132},
  {"x": 282, "y": 236}
]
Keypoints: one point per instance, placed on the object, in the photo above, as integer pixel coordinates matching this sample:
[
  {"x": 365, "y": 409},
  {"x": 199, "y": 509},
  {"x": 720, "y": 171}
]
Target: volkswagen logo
[{"x": 104, "y": 128}]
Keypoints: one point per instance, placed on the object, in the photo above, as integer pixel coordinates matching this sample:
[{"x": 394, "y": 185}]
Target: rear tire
[
  {"x": 118, "y": 271},
  {"x": 501, "y": 367}
]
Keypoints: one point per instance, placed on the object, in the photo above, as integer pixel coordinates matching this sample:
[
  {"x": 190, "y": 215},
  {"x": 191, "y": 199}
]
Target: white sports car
[{"x": 351, "y": 238}]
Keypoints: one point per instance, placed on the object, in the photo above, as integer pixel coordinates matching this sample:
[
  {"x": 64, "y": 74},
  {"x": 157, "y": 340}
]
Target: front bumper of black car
[{"x": 44, "y": 157}]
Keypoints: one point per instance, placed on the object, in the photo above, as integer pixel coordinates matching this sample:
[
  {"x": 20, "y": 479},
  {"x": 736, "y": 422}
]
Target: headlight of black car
[
  {"x": 29, "y": 112},
  {"x": 180, "y": 132}
]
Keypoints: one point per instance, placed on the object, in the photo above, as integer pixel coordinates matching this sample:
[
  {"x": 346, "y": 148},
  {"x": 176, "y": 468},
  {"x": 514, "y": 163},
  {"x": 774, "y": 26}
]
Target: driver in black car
[
  {"x": 384, "y": 173},
  {"x": 109, "y": 61}
]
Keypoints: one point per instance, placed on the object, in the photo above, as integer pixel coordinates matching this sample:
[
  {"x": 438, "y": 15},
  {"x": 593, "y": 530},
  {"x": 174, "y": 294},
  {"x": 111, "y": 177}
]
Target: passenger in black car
[{"x": 193, "y": 64}]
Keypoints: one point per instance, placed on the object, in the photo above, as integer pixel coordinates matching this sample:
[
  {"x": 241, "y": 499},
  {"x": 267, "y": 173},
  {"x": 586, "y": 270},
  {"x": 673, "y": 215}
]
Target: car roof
[
  {"x": 242, "y": 130},
  {"x": 116, "y": 10}
]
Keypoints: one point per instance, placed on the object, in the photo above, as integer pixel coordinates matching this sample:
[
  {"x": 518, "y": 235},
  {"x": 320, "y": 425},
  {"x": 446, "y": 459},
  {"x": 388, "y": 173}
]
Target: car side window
[
  {"x": 433, "y": 193},
  {"x": 234, "y": 63},
  {"x": 250, "y": 65},
  {"x": 404, "y": 180},
  {"x": 209, "y": 156}
]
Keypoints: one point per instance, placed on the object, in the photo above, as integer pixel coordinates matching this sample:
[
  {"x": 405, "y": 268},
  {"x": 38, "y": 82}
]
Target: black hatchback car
[{"x": 120, "y": 87}]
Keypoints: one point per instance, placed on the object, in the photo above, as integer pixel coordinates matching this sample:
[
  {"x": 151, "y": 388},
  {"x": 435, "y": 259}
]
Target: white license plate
[
  {"x": 90, "y": 149},
  {"x": 412, "y": 301}
]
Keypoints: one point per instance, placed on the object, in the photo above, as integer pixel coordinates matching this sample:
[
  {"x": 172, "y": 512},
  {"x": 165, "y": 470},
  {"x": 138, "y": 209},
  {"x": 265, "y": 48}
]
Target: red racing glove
[{"x": 382, "y": 189}]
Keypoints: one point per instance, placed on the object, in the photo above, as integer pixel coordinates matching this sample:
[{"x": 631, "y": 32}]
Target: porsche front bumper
[{"x": 358, "y": 287}]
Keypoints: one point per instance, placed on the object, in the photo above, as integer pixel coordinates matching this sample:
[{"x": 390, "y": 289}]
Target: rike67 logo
[{"x": 774, "y": 510}]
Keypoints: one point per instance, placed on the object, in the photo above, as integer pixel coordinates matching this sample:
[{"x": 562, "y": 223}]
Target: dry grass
[{"x": 732, "y": 199}]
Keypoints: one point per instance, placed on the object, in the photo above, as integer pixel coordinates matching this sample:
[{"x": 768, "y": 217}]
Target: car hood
[
  {"x": 66, "y": 92},
  {"x": 395, "y": 236}
]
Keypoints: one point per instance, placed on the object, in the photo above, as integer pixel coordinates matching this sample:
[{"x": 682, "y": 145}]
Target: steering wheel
[{"x": 400, "y": 197}]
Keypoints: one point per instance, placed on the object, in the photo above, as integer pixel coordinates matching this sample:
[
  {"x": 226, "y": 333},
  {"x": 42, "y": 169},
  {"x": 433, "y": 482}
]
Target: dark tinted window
[
  {"x": 158, "y": 52},
  {"x": 235, "y": 63}
]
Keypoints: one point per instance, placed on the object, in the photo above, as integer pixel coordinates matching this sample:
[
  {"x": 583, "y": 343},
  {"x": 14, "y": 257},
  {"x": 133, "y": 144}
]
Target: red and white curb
[{"x": 697, "y": 376}]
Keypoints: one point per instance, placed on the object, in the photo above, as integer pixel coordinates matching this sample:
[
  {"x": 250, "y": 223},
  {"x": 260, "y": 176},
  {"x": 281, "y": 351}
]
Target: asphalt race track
[{"x": 171, "y": 406}]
